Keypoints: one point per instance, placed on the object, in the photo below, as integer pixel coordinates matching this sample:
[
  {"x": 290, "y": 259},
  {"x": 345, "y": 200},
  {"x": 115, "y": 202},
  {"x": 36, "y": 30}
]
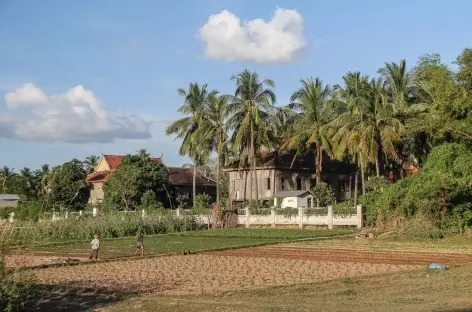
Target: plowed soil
[{"x": 349, "y": 255}]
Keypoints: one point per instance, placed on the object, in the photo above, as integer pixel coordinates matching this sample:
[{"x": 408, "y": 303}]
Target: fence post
[
  {"x": 67, "y": 214},
  {"x": 248, "y": 222},
  {"x": 330, "y": 217},
  {"x": 272, "y": 214},
  {"x": 300, "y": 217},
  {"x": 177, "y": 212},
  {"x": 53, "y": 216},
  {"x": 81, "y": 212},
  {"x": 11, "y": 217},
  {"x": 95, "y": 211},
  {"x": 359, "y": 216},
  {"x": 143, "y": 213}
]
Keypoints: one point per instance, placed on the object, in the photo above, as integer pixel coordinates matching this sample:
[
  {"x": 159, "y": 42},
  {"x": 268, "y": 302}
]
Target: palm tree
[
  {"x": 214, "y": 131},
  {"x": 196, "y": 98},
  {"x": 252, "y": 119},
  {"x": 372, "y": 128},
  {"x": 143, "y": 154},
  {"x": 313, "y": 113},
  {"x": 91, "y": 163},
  {"x": 397, "y": 82},
  {"x": 27, "y": 181},
  {"x": 6, "y": 176}
]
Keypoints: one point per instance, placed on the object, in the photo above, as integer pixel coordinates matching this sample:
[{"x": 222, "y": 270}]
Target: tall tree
[
  {"x": 214, "y": 131},
  {"x": 6, "y": 178},
  {"x": 397, "y": 82},
  {"x": 91, "y": 163},
  {"x": 196, "y": 98},
  {"x": 252, "y": 119},
  {"x": 313, "y": 114}
]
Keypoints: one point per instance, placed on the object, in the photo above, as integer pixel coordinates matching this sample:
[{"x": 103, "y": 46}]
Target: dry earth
[{"x": 204, "y": 273}]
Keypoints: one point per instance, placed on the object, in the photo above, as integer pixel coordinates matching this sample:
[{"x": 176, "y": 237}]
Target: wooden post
[
  {"x": 143, "y": 213},
  {"x": 300, "y": 217},
  {"x": 359, "y": 216},
  {"x": 330, "y": 217},
  {"x": 81, "y": 212},
  {"x": 11, "y": 217},
  {"x": 177, "y": 212},
  {"x": 67, "y": 214},
  {"x": 94, "y": 211}
]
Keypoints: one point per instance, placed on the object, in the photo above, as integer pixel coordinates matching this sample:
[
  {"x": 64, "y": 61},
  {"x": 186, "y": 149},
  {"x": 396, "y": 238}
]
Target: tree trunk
[
  {"x": 317, "y": 164},
  {"x": 356, "y": 183},
  {"x": 218, "y": 172},
  {"x": 194, "y": 187},
  {"x": 253, "y": 156},
  {"x": 362, "y": 173},
  {"x": 377, "y": 166}
]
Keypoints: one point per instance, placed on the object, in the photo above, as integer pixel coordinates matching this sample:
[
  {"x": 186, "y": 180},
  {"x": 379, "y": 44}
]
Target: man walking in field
[
  {"x": 95, "y": 245},
  {"x": 140, "y": 244}
]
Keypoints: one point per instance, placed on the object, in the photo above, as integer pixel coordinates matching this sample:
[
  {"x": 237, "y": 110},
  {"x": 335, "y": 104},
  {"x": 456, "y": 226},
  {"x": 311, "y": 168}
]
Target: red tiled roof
[
  {"x": 115, "y": 160},
  {"x": 100, "y": 176},
  {"x": 179, "y": 175}
]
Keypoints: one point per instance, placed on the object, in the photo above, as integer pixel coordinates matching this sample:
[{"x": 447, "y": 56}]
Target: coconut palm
[
  {"x": 214, "y": 131},
  {"x": 313, "y": 112},
  {"x": 91, "y": 163},
  {"x": 371, "y": 128},
  {"x": 6, "y": 177},
  {"x": 252, "y": 119},
  {"x": 196, "y": 98},
  {"x": 397, "y": 82}
]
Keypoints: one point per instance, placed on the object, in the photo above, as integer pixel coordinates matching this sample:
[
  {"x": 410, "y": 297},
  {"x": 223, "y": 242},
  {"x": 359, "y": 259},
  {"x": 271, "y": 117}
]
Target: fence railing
[{"x": 326, "y": 216}]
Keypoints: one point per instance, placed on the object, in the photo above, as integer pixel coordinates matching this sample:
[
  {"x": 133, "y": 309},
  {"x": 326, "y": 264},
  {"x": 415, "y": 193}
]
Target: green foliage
[
  {"x": 259, "y": 207},
  {"x": 31, "y": 211},
  {"x": 202, "y": 204},
  {"x": 14, "y": 291},
  {"x": 68, "y": 187},
  {"x": 287, "y": 212},
  {"x": 440, "y": 191},
  {"x": 344, "y": 209},
  {"x": 376, "y": 184},
  {"x": 136, "y": 175},
  {"x": 323, "y": 193},
  {"x": 108, "y": 226}
]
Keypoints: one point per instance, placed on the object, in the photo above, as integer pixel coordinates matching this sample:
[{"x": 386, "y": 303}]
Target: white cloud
[
  {"x": 76, "y": 116},
  {"x": 278, "y": 40}
]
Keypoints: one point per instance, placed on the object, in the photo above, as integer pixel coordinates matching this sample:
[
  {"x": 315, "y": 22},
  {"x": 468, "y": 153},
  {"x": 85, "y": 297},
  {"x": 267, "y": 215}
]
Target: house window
[
  {"x": 299, "y": 184},
  {"x": 282, "y": 184},
  {"x": 344, "y": 185},
  {"x": 268, "y": 183},
  {"x": 312, "y": 183},
  {"x": 308, "y": 202}
]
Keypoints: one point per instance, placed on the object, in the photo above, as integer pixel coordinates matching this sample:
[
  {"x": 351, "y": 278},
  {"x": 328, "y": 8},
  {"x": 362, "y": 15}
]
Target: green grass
[{"x": 179, "y": 242}]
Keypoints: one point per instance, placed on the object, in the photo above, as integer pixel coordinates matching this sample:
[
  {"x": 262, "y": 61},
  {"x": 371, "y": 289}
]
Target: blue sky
[{"x": 83, "y": 77}]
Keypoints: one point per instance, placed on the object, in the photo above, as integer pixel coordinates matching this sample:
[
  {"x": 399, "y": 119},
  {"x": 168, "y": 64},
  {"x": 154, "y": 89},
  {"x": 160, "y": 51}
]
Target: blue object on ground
[{"x": 436, "y": 266}]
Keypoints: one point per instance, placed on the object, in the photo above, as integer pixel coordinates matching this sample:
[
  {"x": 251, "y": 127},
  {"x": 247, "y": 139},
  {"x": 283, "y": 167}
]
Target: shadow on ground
[{"x": 70, "y": 298}]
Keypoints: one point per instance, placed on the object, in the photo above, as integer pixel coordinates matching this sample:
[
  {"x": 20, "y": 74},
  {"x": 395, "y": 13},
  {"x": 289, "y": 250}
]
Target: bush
[
  {"x": 440, "y": 192},
  {"x": 202, "y": 204},
  {"x": 324, "y": 194},
  {"x": 107, "y": 226},
  {"x": 14, "y": 291},
  {"x": 29, "y": 211}
]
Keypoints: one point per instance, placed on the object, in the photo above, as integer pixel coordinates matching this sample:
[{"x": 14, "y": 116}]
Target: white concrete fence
[{"x": 302, "y": 218}]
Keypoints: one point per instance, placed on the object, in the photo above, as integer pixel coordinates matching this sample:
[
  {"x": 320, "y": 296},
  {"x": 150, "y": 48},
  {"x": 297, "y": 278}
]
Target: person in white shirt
[{"x": 95, "y": 245}]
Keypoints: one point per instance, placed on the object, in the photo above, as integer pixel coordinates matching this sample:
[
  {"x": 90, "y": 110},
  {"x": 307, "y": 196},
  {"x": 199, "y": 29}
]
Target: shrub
[
  {"x": 323, "y": 193},
  {"x": 29, "y": 211},
  {"x": 202, "y": 204}
]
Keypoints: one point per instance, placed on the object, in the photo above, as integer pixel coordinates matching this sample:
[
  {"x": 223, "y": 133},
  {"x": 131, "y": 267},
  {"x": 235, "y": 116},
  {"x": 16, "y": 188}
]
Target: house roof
[
  {"x": 284, "y": 159},
  {"x": 115, "y": 160},
  {"x": 291, "y": 193},
  {"x": 9, "y": 197},
  {"x": 178, "y": 175}
]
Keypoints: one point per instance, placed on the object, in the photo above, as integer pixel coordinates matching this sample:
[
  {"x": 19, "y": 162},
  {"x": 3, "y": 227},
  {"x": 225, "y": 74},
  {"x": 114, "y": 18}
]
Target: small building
[
  {"x": 9, "y": 200},
  {"x": 277, "y": 171},
  {"x": 180, "y": 179},
  {"x": 294, "y": 199}
]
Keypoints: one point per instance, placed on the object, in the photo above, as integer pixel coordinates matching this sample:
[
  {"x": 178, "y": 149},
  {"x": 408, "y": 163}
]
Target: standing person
[
  {"x": 95, "y": 245},
  {"x": 140, "y": 244}
]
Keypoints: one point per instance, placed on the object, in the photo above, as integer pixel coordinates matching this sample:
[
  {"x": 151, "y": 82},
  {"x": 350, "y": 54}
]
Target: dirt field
[
  {"x": 349, "y": 255},
  {"x": 204, "y": 273}
]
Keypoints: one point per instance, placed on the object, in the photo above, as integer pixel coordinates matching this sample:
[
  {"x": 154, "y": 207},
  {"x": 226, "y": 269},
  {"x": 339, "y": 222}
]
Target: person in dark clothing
[{"x": 140, "y": 244}]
